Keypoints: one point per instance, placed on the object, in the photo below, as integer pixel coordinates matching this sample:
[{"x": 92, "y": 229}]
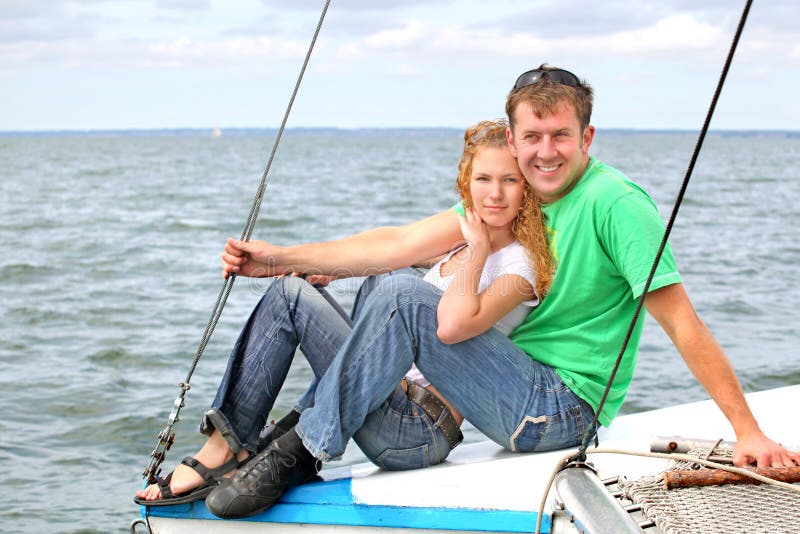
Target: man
[{"x": 539, "y": 390}]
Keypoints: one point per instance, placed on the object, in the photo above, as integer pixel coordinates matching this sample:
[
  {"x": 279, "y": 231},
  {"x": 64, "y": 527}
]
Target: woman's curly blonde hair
[{"x": 529, "y": 225}]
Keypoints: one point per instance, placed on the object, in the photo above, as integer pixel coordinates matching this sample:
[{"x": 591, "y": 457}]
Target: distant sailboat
[{"x": 216, "y": 133}]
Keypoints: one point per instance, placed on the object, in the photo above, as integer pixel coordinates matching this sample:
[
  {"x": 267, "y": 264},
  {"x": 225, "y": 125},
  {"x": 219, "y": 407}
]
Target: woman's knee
[
  {"x": 289, "y": 286},
  {"x": 281, "y": 299},
  {"x": 406, "y": 286},
  {"x": 364, "y": 291},
  {"x": 276, "y": 299}
]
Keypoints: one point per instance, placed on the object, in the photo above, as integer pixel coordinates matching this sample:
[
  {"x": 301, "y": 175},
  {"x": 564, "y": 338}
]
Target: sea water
[{"x": 110, "y": 270}]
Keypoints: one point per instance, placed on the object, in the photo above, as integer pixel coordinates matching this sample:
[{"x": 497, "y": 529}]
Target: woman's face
[{"x": 496, "y": 185}]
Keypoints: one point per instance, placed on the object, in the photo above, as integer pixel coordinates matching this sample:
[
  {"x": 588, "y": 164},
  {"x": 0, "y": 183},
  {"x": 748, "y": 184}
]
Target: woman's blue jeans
[
  {"x": 394, "y": 433},
  {"x": 516, "y": 401}
]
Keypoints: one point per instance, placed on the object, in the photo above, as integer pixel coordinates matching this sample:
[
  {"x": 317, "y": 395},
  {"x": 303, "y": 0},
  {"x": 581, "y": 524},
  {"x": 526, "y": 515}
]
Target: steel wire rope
[
  {"x": 167, "y": 434},
  {"x": 591, "y": 431}
]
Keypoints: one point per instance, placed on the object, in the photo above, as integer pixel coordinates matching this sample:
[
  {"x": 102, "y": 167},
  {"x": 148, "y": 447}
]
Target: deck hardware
[
  {"x": 137, "y": 522},
  {"x": 588, "y": 503}
]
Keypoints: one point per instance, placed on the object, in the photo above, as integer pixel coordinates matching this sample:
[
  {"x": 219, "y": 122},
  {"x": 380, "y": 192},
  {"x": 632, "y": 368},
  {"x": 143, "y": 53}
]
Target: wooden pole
[{"x": 715, "y": 477}]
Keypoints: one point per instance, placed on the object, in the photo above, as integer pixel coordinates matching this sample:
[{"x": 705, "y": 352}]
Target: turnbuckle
[{"x": 166, "y": 437}]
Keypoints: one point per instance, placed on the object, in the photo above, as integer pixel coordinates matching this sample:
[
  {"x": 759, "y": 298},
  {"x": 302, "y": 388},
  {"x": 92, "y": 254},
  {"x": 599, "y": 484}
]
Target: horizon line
[{"x": 219, "y": 131}]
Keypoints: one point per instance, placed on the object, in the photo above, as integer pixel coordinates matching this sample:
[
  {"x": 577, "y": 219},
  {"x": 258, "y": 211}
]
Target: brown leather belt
[{"x": 433, "y": 406}]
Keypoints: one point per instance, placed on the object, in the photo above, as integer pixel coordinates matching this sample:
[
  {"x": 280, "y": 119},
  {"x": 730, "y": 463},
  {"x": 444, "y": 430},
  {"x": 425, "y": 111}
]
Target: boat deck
[{"x": 481, "y": 487}]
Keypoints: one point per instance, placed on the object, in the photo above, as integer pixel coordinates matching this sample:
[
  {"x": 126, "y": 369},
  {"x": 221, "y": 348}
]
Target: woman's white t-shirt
[{"x": 511, "y": 259}]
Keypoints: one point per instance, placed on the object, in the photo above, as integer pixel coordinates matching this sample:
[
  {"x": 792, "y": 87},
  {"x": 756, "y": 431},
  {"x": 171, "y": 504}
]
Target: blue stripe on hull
[{"x": 331, "y": 503}]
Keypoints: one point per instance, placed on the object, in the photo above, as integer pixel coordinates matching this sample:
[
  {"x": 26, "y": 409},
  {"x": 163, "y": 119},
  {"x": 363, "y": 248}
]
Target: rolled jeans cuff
[
  {"x": 317, "y": 453},
  {"x": 214, "y": 419}
]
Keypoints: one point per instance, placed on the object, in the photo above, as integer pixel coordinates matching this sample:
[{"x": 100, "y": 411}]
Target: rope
[
  {"x": 591, "y": 430},
  {"x": 167, "y": 436}
]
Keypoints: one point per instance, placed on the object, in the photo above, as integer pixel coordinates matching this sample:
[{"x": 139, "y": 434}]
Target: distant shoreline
[{"x": 233, "y": 132}]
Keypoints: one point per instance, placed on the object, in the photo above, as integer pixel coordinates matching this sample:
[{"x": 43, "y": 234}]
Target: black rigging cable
[
  {"x": 167, "y": 435},
  {"x": 591, "y": 431}
]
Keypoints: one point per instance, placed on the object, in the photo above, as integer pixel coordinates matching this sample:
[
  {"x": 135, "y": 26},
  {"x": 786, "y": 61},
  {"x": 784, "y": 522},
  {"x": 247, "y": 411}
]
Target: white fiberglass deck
[{"x": 481, "y": 487}]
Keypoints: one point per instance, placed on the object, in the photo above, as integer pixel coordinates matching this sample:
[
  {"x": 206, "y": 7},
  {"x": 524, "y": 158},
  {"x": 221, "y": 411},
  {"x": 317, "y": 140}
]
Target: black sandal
[{"x": 211, "y": 478}]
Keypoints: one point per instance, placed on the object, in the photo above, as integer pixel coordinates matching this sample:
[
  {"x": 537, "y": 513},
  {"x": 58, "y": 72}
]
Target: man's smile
[{"x": 547, "y": 169}]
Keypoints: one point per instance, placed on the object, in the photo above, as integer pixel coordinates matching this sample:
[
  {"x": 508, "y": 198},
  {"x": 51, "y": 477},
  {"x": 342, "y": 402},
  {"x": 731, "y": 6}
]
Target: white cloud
[
  {"x": 175, "y": 53},
  {"x": 417, "y": 43},
  {"x": 410, "y": 37},
  {"x": 64, "y": 54},
  {"x": 670, "y": 36},
  {"x": 673, "y": 35},
  {"x": 181, "y": 5},
  {"x": 349, "y": 52},
  {"x": 351, "y": 5},
  {"x": 480, "y": 43},
  {"x": 407, "y": 70},
  {"x": 185, "y": 52}
]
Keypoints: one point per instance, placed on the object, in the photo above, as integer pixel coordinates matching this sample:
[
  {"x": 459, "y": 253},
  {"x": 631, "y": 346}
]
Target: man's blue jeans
[
  {"x": 395, "y": 433},
  {"x": 516, "y": 401}
]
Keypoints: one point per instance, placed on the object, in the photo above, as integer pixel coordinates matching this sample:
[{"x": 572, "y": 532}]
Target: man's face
[{"x": 551, "y": 151}]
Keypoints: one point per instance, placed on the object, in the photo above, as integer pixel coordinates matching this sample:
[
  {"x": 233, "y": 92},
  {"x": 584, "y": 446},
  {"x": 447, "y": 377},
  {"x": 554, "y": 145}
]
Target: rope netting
[{"x": 726, "y": 509}]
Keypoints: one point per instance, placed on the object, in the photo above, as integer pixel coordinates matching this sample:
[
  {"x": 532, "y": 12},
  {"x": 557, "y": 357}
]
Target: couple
[
  {"x": 487, "y": 282},
  {"x": 534, "y": 390}
]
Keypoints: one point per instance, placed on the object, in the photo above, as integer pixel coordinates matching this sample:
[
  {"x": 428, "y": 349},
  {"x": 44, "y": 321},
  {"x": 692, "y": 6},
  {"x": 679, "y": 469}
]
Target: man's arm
[
  {"x": 671, "y": 307},
  {"x": 375, "y": 251}
]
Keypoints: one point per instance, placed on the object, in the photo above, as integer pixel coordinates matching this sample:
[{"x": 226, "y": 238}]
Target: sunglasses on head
[{"x": 561, "y": 76}]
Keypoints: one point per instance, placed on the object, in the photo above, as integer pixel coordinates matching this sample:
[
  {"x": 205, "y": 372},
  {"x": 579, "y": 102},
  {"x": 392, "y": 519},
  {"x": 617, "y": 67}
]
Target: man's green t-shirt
[{"x": 604, "y": 235}]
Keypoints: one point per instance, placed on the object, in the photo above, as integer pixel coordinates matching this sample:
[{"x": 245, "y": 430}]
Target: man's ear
[
  {"x": 510, "y": 140},
  {"x": 588, "y": 136}
]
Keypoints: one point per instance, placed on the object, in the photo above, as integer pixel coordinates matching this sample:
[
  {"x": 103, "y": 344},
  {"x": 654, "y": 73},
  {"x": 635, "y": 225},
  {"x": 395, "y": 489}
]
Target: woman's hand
[{"x": 475, "y": 232}]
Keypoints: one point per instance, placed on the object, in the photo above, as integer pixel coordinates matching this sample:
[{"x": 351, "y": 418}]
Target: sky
[{"x": 141, "y": 64}]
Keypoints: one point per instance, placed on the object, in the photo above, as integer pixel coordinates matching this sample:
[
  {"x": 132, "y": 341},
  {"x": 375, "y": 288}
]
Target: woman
[{"x": 493, "y": 279}]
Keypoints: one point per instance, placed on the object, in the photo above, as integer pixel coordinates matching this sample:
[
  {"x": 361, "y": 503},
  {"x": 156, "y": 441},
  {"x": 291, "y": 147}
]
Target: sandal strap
[
  {"x": 250, "y": 455},
  {"x": 210, "y": 475},
  {"x": 163, "y": 486}
]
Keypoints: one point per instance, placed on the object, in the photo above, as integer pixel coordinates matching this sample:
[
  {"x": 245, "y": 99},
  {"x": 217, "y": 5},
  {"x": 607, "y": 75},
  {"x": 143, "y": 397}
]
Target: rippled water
[{"x": 110, "y": 270}]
